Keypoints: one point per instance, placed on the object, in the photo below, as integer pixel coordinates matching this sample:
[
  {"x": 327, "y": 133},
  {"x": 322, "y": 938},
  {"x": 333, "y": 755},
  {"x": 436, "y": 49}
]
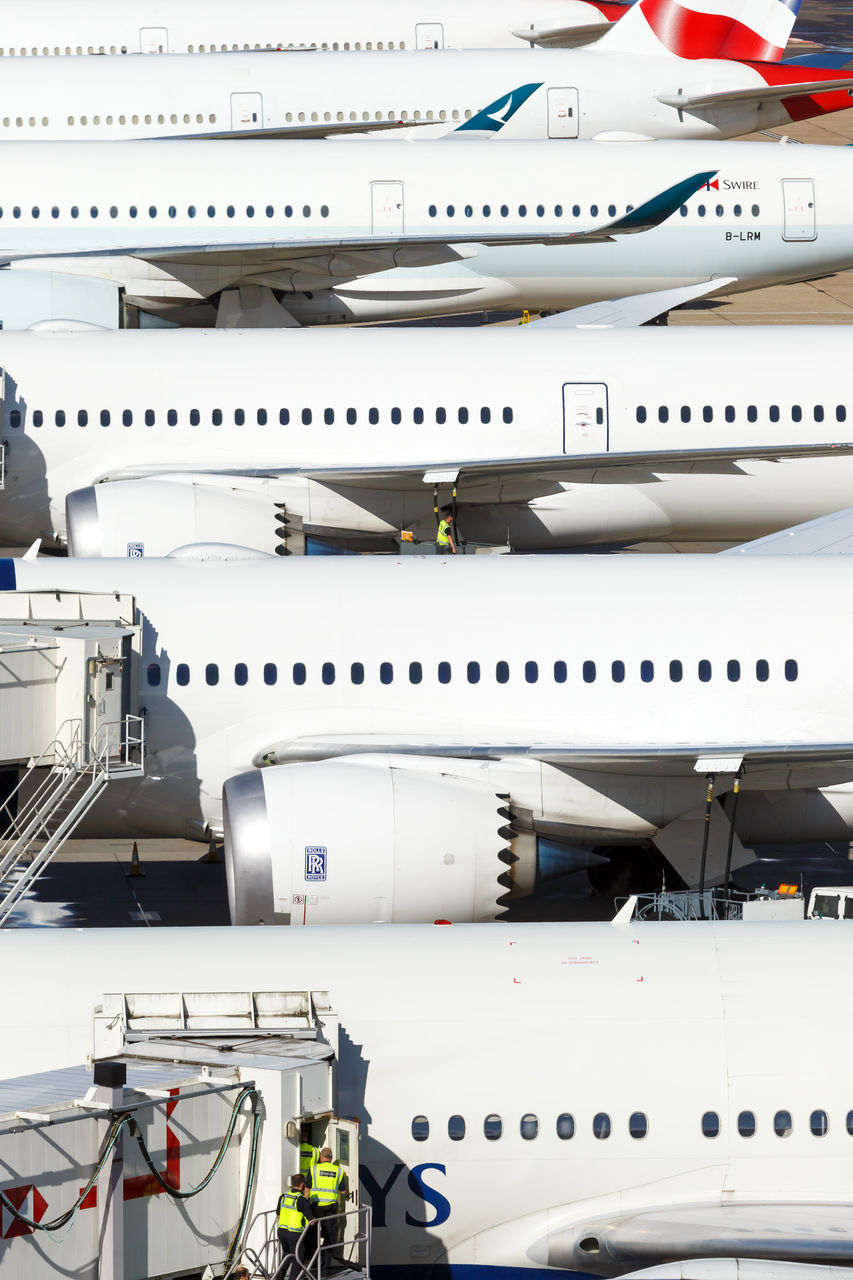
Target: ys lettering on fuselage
[{"x": 431, "y": 1199}]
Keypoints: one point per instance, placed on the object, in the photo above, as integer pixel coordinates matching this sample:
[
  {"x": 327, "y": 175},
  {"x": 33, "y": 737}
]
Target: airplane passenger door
[
  {"x": 153, "y": 40},
  {"x": 799, "y": 202},
  {"x": 586, "y": 427},
  {"x": 386, "y": 204},
  {"x": 562, "y": 113},
  {"x": 247, "y": 111},
  {"x": 429, "y": 35},
  {"x": 342, "y": 1137},
  {"x": 104, "y": 699}
]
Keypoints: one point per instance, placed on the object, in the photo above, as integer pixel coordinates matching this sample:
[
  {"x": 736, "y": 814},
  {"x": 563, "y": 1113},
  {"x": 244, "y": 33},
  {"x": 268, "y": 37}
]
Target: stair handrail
[
  {"x": 132, "y": 737},
  {"x": 65, "y": 757}
]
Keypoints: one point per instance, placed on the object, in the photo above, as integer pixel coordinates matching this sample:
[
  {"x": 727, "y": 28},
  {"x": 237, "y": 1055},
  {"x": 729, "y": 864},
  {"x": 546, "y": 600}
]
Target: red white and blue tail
[{"x": 750, "y": 30}]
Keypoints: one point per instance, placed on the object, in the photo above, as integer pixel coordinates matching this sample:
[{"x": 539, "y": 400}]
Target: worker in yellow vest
[
  {"x": 308, "y": 1157},
  {"x": 444, "y": 541},
  {"x": 295, "y": 1211},
  {"x": 326, "y": 1197}
]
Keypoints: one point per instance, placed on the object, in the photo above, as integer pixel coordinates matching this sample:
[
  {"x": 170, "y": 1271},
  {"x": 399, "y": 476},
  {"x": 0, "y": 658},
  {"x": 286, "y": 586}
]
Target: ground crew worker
[
  {"x": 308, "y": 1157},
  {"x": 444, "y": 536},
  {"x": 294, "y": 1211},
  {"x": 325, "y": 1196}
]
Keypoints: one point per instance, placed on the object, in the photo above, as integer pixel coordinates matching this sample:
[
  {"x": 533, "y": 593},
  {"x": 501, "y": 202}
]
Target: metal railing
[
  {"x": 263, "y": 1259},
  {"x": 691, "y": 904}
]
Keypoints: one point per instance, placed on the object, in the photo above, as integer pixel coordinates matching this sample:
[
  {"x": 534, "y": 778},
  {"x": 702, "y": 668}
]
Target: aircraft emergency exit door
[
  {"x": 429, "y": 35},
  {"x": 386, "y": 204},
  {"x": 799, "y": 202},
  {"x": 562, "y": 113},
  {"x": 153, "y": 40},
  {"x": 585, "y": 419},
  {"x": 247, "y": 111}
]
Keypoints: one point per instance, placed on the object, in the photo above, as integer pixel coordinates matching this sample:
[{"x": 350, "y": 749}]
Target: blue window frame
[
  {"x": 241, "y": 673},
  {"x": 502, "y": 672},
  {"x": 270, "y": 673},
  {"x": 617, "y": 671},
  {"x": 531, "y": 672},
  {"x": 386, "y": 672},
  {"x": 704, "y": 670},
  {"x": 299, "y": 673},
  {"x": 733, "y": 670},
  {"x": 328, "y": 673},
  {"x": 416, "y": 673},
  {"x": 588, "y": 672},
  {"x": 444, "y": 673},
  {"x": 676, "y": 671},
  {"x": 560, "y": 672},
  {"x": 356, "y": 673},
  {"x": 211, "y": 673},
  {"x": 791, "y": 669},
  {"x": 473, "y": 672},
  {"x": 762, "y": 670},
  {"x": 647, "y": 671}
]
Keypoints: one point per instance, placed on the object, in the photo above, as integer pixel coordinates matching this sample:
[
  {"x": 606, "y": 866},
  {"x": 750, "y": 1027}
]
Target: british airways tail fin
[
  {"x": 489, "y": 122},
  {"x": 751, "y": 30}
]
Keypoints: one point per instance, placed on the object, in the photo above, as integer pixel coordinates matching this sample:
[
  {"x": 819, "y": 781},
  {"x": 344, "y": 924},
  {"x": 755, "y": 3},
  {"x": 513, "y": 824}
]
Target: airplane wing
[
  {"x": 762, "y": 93},
  {"x": 634, "y": 310},
  {"x": 830, "y": 535},
  {"x": 252, "y": 258}
]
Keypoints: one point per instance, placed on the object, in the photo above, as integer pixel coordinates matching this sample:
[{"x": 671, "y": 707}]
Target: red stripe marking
[
  {"x": 705, "y": 35},
  {"x": 808, "y": 105},
  {"x": 612, "y": 12}
]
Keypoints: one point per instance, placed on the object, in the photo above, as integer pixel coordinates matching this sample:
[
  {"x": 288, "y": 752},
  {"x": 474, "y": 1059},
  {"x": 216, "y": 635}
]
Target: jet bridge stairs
[{"x": 67, "y": 663}]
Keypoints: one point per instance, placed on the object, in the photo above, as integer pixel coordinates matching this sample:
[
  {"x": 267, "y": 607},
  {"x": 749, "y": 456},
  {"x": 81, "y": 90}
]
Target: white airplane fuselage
[
  {"x": 178, "y": 222},
  {"x": 240, "y": 419},
  {"x": 581, "y": 93},
  {"x": 51, "y": 27},
  {"x": 742, "y": 1150}
]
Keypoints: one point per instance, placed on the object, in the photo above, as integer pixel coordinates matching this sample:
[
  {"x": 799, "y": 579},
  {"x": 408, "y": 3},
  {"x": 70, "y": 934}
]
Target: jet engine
[{"x": 367, "y": 840}]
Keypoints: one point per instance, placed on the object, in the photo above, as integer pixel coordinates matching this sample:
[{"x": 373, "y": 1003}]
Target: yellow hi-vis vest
[
  {"x": 442, "y": 537},
  {"x": 308, "y": 1157},
  {"x": 327, "y": 1181},
  {"x": 289, "y": 1217}
]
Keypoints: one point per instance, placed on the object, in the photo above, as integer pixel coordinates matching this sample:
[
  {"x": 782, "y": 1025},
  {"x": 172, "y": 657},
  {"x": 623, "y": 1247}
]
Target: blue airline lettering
[
  {"x": 428, "y": 1194},
  {"x": 378, "y": 1195}
]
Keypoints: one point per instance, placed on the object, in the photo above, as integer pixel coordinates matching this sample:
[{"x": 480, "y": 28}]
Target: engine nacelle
[{"x": 364, "y": 840}]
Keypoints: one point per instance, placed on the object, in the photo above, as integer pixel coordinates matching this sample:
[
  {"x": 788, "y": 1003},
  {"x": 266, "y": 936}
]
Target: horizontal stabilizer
[
  {"x": 561, "y": 37},
  {"x": 830, "y": 535},
  {"x": 764, "y": 93},
  {"x": 633, "y": 310}
]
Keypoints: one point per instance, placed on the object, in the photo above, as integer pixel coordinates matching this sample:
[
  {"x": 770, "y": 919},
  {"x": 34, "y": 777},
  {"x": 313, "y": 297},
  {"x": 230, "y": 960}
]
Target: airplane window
[
  {"x": 149, "y": 417},
  {"x": 75, "y": 212},
  {"x": 485, "y": 415},
  {"x": 306, "y": 211},
  {"x": 473, "y": 672},
  {"x": 444, "y": 673},
  {"x": 611, "y": 209},
  {"x": 82, "y": 418},
  {"x": 504, "y": 211},
  {"x": 432, "y": 211},
  {"x": 35, "y": 211},
  {"x": 270, "y": 673},
  {"x": 589, "y": 672},
  {"x": 707, "y": 414},
  {"x": 710, "y": 1124},
  {"x": 796, "y": 413},
  {"x": 733, "y": 669},
  {"x": 840, "y": 413},
  {"x": 386, "y": 672},
  {"x": 328, "y": 673},
  {"x": 356, "y": 673},
  {"x": 299, "y": 673},
  {"x": 306, "y": 417},
  {"x": 284, "y": 416},
  {"x": 487, "y": 211},
  {"x": 59, "y": 417},
  {"x": 685, "y": 413},
  {"x": 38, "y": 418},
  {"x": 540, "y": 211},
  {"x": 93, "y": 212},
  {"x": 647, "y": 671},
  {"x": 54, "y": 213},
  {"x": 719, "y": 211},
  {"x": 704, "y": 670},
  {"x": 850, "y": 1122},
  {"x": 762, "y": 670},
  {"x": 152, "y": 211},
  {"x": 773, "y": 413},
  {"x": 230, "y": 211},
  {"x": 576, "y": 211},
  {"x": 352, "y": 417},
  {"x": 250, "y": 211},
  {"x": 529, "y": 1127},
  {"x": 441, "y": 416},
  {"x": 182, "y": 674},
  {"x": 127, "y": 417},
  {"x": 456, "y": 1128},
  {"x": 507, "y": 414},
  {"x": 211, "y": 673},
  {"x": 601, "y": 1125},
  {"x": 560, "y": 672},
  {"x": 463, "y": 414},
  {"x": 638, "y": 1124},
  {"x": 469, "y": 212},
  {"x": 216, "y": 417},
  {"x": 416, "y": 673},
  {"x": 746, "y": 1124},
  {"x": 818, "y": 413},
  {"x": 531, "y": 672},
  {"x": 420, "y": 1128},
  {"x": 819, "y": 1124},
  {"x": 502, "y": 672},
  {"x": 558, "y": 211},
  {"x": 663, "y": 414},
  {"x": 15, "y": 418},
  {"x": 493, "y": 1127},
  {"x": 153, "y": 674},
  {"x": 565, "y": 1126},
  {"x": 737, "y": 211},
  {"x": 751, "y": 413},
  {"x": 241, "y": 673},
  {"x": 211, "y": 211},
  {"x": 239, "y": 417},
  {"x": 417, "y": 415},
  {"x": 329, "y": 417},
  {"x": 195, "y": 417},
  {"x": 782, "y": 1124},
  {"x": 288, "y": 211},
  {"x": 450, "y": 211},
  {"x": 641, "y": 413},
  {"x": 593, "y": 208},
  {"x": 16, "y": 212},
  {"x": 730, "y": 413},
  {"x": 790, "y": 669},
  {"x": 191, "y": 211},
  {"x": 270, "y": 211},
  {"x": 262, "y": 417},
  {"x": 755, "y": 211},
  {"x": 676, "y": 671},
  {"x": 396, "y": 417},
  {"x": 617, "y": 671}
]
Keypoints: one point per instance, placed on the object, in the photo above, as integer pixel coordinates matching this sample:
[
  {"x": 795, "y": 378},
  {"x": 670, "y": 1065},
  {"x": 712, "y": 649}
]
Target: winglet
[
  {"x": 32, "y": 553},
  {"x": 491, "y": 119}
]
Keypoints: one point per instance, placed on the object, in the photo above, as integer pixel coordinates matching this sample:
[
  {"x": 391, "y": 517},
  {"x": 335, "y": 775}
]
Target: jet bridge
[
  {"x": 68, "y": 722},
  {"x": 166, "y": 1154}
]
